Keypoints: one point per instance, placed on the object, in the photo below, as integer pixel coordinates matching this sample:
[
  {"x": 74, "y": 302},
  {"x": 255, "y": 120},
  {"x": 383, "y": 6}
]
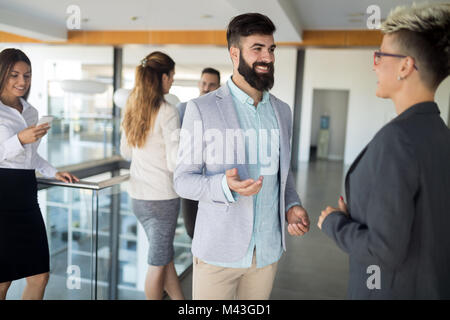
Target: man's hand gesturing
[{"x": 247, "y": 187}]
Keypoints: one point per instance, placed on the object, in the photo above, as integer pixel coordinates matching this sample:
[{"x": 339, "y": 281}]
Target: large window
[{"x": 83, "y": 125}]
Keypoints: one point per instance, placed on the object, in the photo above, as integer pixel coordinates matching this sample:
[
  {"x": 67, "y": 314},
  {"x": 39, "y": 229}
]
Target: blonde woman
[
  {"x": 150, "y": 140},
  {"x": 396, "y": 222}
]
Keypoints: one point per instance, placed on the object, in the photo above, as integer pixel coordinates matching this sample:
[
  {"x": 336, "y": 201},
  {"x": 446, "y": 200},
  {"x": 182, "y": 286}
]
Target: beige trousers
[{"x": 211, "y": 282}]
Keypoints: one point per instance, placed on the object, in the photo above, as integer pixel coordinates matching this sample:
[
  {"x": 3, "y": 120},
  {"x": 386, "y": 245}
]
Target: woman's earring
[{"x": 399, "y": 78}]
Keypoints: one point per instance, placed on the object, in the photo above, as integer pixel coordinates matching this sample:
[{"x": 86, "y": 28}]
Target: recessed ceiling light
[{"x": 206, "y": 16}]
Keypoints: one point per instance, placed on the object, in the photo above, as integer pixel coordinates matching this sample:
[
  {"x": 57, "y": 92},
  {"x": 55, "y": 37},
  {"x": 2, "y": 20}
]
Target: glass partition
[
  {"x": 98, "y": 250},
  {"x": 77, "y": 140},
  {"x": 83, "y": 116}
]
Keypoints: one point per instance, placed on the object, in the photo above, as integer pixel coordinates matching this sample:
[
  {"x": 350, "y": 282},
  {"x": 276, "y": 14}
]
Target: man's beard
[{"x": 259, "y": 81}]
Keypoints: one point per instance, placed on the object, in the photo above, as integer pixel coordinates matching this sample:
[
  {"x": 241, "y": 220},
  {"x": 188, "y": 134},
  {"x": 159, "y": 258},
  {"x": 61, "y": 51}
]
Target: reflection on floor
[
  {"x": 313, "y": 267},
  {"x": 54, "y": 292}
]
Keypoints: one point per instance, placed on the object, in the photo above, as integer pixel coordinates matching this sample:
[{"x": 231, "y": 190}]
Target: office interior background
[{"x": 323, "y": 70}]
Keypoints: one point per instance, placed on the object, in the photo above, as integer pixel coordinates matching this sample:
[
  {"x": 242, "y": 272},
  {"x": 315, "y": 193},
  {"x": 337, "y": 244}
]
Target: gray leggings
[{"x": 159, "y": 219}]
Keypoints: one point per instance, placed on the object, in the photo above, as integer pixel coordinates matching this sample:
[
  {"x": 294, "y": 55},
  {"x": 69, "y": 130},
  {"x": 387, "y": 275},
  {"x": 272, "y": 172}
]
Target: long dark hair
[
  {"x": 8, "y": 58},
  {"x": 146, "y": 97}
]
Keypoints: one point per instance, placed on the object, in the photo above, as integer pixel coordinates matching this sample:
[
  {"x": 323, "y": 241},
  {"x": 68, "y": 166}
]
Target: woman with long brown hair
[
  {"x": 150, "y": 139},
  {"x": 24, "y": 249}
]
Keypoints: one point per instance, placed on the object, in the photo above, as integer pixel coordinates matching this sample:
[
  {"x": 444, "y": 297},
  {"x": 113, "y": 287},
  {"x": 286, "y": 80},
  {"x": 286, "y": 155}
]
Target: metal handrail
[{"x": 86, "y": 184}]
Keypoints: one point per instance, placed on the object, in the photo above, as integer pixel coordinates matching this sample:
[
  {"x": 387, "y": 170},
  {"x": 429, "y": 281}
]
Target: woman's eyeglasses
[{"x": 378, "y": 54}]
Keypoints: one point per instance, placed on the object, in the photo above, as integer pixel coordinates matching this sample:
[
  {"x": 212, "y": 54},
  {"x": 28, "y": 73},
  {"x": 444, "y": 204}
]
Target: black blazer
[{"x": 398, "y": 197}]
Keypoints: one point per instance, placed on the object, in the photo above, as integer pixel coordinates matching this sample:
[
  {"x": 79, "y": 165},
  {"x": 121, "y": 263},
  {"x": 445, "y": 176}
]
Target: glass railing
[{"x": 98, "y": 250}]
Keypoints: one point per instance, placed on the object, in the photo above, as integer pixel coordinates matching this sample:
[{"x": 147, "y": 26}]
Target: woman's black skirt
[{"x": 23, "y": 239}]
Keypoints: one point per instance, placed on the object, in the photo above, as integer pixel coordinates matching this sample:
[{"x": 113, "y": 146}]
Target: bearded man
[{"x": 239, "y": 172}]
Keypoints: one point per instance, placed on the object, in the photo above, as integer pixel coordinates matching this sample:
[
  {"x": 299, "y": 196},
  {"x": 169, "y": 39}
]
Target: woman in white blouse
[
  {"x": 24, "y": 249},
  {"x": 150, "y": 139}
]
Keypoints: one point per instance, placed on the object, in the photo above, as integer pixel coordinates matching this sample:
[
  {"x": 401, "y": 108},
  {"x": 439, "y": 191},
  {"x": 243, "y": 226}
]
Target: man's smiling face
[{"x": 256, "y": 59}]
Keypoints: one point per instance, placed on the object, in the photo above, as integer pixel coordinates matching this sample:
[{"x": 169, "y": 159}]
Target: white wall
[
  {"x": 285, "y": 75},
  {"x": 350, "y": 69},
  {"x": 448, "y": 121},
  {"x": 442, "y": 98},
  {"x": 333, "y": 103}
]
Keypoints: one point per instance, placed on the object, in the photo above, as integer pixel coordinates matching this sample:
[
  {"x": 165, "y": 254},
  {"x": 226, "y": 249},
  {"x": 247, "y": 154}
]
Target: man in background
[{"x": 209, "y": 81}]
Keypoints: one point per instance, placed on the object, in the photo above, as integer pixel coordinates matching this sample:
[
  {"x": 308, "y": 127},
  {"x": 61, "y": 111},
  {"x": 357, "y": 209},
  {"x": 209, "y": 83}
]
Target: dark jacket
[{"x": 398, "y": 197}]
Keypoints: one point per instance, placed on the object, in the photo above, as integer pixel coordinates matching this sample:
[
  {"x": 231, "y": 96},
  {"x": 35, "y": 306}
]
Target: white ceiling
[{"x": 46, "y": 19}]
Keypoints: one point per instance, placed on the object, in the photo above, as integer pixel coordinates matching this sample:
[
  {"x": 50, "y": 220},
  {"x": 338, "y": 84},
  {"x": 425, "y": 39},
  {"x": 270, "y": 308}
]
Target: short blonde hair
[
  {"x": 418, "y": 18},
  {"x": 423, "y": 32}
]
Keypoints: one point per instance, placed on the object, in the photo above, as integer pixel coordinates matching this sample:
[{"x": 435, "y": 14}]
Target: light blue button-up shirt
[{"x": 266, "y": 236}]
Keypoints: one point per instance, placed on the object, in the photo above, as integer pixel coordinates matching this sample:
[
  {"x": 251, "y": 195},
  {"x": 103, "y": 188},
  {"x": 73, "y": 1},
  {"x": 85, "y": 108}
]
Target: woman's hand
[
  {"x": 66, "y": 177},
  {"x": 325, "y": 213},
  {"x": 33, "y": 133}
]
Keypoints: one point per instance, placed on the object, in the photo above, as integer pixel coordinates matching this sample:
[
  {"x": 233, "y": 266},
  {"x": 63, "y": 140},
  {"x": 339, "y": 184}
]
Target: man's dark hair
[
  {"x": 248, "y": 24},
  {"x": 212, "y": 71}
]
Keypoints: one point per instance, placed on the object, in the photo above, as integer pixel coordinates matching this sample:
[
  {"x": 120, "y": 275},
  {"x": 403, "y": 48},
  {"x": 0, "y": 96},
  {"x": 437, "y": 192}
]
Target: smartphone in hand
[{"x": 45, "y": 119}]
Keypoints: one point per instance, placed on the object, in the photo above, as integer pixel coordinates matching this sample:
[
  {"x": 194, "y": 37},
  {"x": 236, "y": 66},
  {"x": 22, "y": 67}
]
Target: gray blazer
[
  {"x": 398, "y": 196},
  {"x": 223, "y": 230}
]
